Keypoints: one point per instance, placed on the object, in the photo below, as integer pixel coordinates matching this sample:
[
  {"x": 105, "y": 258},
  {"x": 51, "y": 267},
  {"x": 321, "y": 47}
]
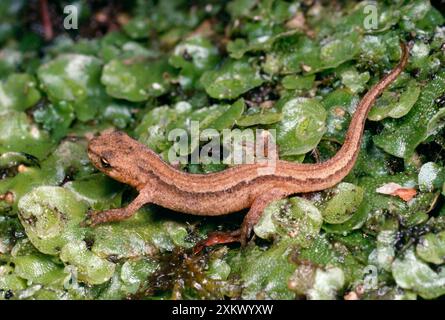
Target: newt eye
[{"x": 105, "y": 163}]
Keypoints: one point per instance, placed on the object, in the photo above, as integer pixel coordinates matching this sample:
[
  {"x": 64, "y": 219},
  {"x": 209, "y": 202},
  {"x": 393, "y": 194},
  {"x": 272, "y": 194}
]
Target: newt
[{"x": 240, "y": 187}]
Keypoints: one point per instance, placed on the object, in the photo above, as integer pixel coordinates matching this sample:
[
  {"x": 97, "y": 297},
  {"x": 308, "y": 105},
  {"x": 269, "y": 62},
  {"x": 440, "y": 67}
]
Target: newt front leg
[{"x": 144, "y": 197}]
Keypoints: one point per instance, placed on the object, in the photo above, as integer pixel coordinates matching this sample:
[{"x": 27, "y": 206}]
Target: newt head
[{"x": 115, "y": 154}]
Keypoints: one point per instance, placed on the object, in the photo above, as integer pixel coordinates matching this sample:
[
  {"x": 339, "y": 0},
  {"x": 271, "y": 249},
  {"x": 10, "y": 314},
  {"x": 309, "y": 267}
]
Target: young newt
[{"x": 240, "y": 187}]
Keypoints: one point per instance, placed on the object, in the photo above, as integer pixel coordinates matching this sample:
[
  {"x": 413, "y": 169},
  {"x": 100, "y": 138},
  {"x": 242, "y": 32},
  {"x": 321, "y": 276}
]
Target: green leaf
[
  {"x": 142, "y": 233},
  {"x": 19, "y": 134},
  {"x": 68, "y": 77},
  {"x": 138, "y": 28},
  {"x": 389, "y": 106},
  {"x": 431, "y": 248},
  {"x": 135, "y": 272},
  {"x": 193, "y": 56},
  {"x": 119, "y": 114},
  {"x": 436, "y": 123},
  {"x": 99, "y": 191},
  {"x": 431, "y": 177},
  {"x": 239, "y": 8},
  {"x": 56, "y": 117},
  {"x": 10, "y": 60},
  {"x": 293, "y": 82},
  {"x": 355, "y": 222},
  {"x": 385, "y": 252},
  {"x": 18, "y": 92},
  {"x": 10, "y": 281},
  {"x": 302, "y": 126},
  {"x": 91, "y": 269},
  {"x": 228, "y": 119},
  {"x": 69, "y": 159},
  {"x": 401, "y": 137},
  {"x": 218, "y": 269},
  {"x": 295, "y": 53},
  {"x": 294, "y": 217},
  {"x": 135, "y": 79},
  {"x": 353, "y": 80},
  {"x": 265, "y": 274},
  {"x": 249, "y": 120},
  {"x": 317, "y": 283},
  {"x": 344, "y": 201},
  {"x": 413, "y": 274},
  {"x": 340, "y": 50},
  {"x": 74, "y": 78},
  {"x": 39, "y": 269},
  {"x": 51, "y": 218},
  {"x": 234, "y": 78},
  {"x": 154, "y": 127}
]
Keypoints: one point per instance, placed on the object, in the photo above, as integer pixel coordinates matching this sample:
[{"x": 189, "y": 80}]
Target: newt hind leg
[
  {"x": 119, "y": 214},
  {"x": 250, "y": 220},
  {"x": 256, "y": 211}
]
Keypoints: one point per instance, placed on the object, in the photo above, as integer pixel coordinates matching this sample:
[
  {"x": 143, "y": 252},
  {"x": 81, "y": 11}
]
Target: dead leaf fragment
[{"x": 394, "y": 189}]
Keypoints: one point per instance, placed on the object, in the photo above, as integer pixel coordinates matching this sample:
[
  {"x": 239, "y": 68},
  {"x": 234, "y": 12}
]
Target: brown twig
[{"x": 48, "y": 32}]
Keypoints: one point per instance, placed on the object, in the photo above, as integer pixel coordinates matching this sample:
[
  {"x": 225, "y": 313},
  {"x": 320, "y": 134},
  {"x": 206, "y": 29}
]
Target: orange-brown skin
[{"x": 243, "y": 186}]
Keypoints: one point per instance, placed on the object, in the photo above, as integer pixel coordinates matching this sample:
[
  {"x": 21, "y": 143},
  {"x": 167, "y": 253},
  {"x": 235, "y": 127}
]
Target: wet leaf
[
  {"x": 302, "y": 126},
  {"x": 431, "y": 177},
  {"x": 344, "y": 201},
  {"x": 436, "y": 123},
  {"x": 234, "y": 78},
  {"x": 69, "y": 159},
  {"x": 385, "y": 252},
  {"x": 18, "y": 92},
  {"x": 193, "y": 56},
  {"x": 230, "y": 117},
  {"x": 292, "y": 82},
  {"x": 140, "y": 235},
  {"x": 134, "y": 272},
  {"x": 411, "y": 273},
  {"x": 138, "y": 28},
  {"x": 51, "y": 218},
  {"x": 56, "y": 117},
  {"x": 154, "y": 127},
  {"x": 74, "y": 78},
  {"x": 307, "y": 55},
  {"x": 259, "y": 118},
  {"x": 135, "y": 79},
  {"x": 119, "y": 114},
  {"x": 10, "y": 281},
  {"x": 386, "y": 106},
  {"x": 91, "y": 269},
  {"x": 295, "y": 217},
  {"x": 99, "y": 191},
  {"x": 40, "y": 269},
  {"x": 265, "y": 274},
  {"x": 353, "y": 80},
  {"x": 431, "y": 248},
  {"x": 317, "y": 283},
  {"x": 18, "y": 133},
  {"x": 401, "y": 137}
]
